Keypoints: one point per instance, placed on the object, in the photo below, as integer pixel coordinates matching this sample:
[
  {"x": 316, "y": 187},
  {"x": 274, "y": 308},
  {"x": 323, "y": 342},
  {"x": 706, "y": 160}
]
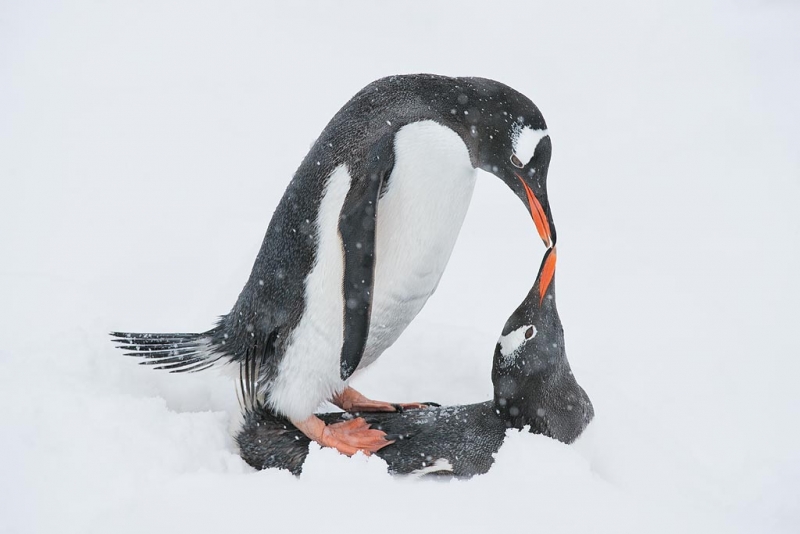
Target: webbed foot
[
  {"x": 351, "y": 400},
  {"x": 347, "y": 437}
]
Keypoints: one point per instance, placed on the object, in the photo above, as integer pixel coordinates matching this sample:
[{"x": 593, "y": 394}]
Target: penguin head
[
  {"x": 533, "y": 382},
  {"x": 505, "y": 133},
  {"x": 510, "y": 140}
]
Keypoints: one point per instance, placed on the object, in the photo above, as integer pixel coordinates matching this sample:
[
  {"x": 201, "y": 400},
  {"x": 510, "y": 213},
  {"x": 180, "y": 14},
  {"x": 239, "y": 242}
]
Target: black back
[{"x": 466, "y": 436}]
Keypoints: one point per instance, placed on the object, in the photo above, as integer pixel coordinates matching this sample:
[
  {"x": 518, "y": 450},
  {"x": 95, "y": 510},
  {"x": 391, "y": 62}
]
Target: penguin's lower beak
[{"x": 541, "y": 216}]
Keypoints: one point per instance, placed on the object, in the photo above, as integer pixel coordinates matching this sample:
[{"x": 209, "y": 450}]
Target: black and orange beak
[
  {"x": 546, "y": 272},
  {"x": 540, "y": 216}
]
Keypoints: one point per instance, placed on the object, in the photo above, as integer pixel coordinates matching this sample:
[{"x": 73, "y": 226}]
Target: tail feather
[{"x": 176, "y": 353}]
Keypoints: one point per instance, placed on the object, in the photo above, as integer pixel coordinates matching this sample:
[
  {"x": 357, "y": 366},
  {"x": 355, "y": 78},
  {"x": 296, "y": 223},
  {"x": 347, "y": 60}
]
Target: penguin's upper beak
[{"x": 540, "y": 210}]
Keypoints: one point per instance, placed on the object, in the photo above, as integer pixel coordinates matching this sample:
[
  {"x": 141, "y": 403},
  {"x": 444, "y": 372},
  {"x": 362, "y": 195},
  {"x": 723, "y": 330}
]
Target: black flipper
[{"x": 357, "y": 225}]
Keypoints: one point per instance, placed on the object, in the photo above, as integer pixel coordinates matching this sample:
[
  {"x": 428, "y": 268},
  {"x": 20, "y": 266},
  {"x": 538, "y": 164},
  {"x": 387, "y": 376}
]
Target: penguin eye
[
  {"x": 529, "y": 333},
  {"x": 515, "y": 160}
]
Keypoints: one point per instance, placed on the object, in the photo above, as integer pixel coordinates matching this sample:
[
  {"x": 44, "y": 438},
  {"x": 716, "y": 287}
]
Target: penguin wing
[{"x": 357, "y": 228}]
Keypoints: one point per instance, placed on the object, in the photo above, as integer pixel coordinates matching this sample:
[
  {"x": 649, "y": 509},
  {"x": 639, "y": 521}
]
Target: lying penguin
[
  {"x": 533, "y": 387},
  {"x": 359, "y": 242}
]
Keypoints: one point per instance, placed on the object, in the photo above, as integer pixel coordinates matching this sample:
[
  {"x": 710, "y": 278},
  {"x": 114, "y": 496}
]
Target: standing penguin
[{"x": 359, "y": 242}]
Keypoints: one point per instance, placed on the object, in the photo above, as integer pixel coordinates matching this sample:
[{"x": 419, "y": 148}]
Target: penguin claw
[{"x": 417, "y": 406}]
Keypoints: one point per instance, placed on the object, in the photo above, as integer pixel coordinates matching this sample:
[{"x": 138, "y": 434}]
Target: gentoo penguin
[
  {"x": 533, "y": 387},
  {"x": 359, "y": 242}
]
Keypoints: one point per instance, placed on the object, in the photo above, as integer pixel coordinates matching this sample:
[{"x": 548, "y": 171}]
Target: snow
[{"x": 144, "y": 146}]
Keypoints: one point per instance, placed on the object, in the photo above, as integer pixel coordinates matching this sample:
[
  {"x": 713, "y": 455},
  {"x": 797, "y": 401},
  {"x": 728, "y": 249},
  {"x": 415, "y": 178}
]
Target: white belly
[{"x": 419, "y": 219}]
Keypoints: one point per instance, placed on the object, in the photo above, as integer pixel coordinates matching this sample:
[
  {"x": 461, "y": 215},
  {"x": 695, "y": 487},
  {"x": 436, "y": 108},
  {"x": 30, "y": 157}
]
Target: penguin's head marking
[
  {"x": 524, "y": 141},
  {"x": 511, "y": 343}
]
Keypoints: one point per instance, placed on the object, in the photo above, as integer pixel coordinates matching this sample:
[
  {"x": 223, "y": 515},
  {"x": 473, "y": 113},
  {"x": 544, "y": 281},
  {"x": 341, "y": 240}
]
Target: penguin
[
  {"x": 534, "y": 388},
  {"x": 359, "y": 242}
]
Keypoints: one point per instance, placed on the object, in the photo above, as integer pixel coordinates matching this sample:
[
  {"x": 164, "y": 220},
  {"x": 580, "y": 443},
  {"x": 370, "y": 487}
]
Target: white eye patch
[
  {"x": 524, "y": 140},
  {"x": 511, "y": 342}
]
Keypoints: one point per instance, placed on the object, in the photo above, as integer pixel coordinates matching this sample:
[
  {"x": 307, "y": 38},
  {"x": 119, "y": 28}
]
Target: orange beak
[
  {"x": 537, "y": 212},
  {"x": 548, "y": 270}
]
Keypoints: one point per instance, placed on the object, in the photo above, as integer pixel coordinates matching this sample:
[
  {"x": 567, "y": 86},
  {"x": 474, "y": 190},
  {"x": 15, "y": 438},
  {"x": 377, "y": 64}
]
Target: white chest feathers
[
  {"x": 309, "y": 371},
  {"x": 419, "y": 218}
]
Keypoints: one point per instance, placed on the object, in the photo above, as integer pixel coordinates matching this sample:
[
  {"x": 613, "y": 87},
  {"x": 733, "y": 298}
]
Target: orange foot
[
  {"x": 351, "y": 400},
  {"x": 347, "y": 437}
]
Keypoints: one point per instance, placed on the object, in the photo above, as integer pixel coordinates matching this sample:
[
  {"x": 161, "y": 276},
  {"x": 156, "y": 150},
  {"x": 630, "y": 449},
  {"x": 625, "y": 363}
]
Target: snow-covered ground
[{"x": 143, "y": 147}]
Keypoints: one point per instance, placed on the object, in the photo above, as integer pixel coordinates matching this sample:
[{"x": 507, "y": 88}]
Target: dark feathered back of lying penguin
[{"x": 453, "y": 440}]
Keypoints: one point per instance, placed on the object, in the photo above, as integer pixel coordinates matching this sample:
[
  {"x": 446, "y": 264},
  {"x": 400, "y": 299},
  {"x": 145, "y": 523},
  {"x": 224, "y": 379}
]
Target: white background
[{"x": 143, "y": 147}]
